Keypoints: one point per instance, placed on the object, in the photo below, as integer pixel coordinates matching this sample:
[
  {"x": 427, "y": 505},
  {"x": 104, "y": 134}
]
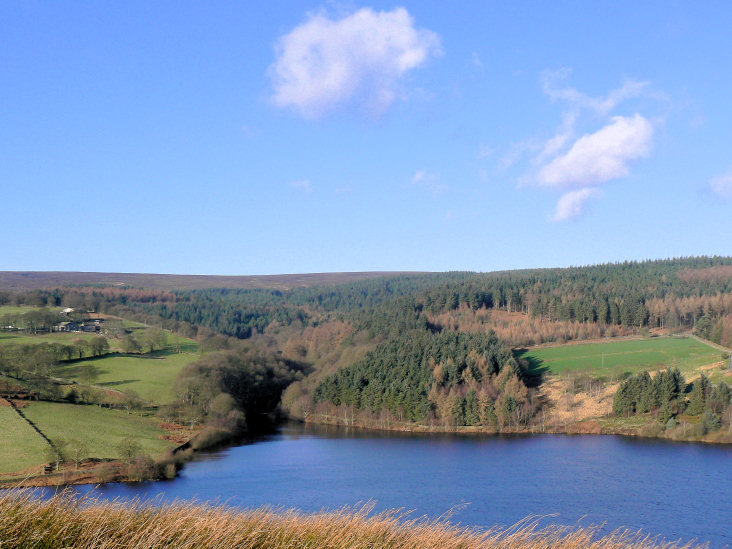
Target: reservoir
[{"x": 675, "y": 490}]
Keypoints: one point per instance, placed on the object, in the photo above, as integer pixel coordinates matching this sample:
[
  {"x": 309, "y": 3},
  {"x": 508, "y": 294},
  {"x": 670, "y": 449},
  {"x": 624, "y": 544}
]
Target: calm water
[{"x": 676, "y": 490}]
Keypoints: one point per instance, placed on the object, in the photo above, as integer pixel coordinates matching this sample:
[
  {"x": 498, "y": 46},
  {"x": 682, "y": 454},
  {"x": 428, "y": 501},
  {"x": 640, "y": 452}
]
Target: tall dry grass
[{"x": 64, "y": 521}]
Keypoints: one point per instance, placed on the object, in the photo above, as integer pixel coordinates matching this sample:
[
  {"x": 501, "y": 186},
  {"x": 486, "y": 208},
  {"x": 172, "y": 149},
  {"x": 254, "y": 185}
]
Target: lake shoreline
[{"x": 587, "y": 427}]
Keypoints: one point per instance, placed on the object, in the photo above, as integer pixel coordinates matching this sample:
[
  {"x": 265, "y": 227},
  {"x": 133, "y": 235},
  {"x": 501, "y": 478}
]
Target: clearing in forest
[{"x": 619, "y": 357}]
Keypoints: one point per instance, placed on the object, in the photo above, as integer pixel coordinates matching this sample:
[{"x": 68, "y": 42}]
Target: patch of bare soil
[
  {"x": 16, "y": 403},
  {"x": 174, "y": 432}
]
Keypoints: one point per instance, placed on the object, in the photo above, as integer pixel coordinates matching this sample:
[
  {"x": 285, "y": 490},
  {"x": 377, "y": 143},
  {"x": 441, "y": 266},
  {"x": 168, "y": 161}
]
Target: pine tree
[
  {"x": 698, "y": 398},
  {"x": 472, "y": 413}
]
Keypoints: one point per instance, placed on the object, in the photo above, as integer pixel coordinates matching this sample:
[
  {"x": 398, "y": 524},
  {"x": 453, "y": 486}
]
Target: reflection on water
[{"x": 676, "y": 490}]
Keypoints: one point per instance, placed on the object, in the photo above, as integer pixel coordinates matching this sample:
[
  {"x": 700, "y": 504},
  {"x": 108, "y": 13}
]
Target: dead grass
[
  {"x": 565, "y": 407},
  {"x": 62, "y": 521}
]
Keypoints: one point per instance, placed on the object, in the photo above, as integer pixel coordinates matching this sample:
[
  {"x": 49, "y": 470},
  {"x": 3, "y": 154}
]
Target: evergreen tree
[
  {"x": 472, "y": 413},
  {"x": 698, "y": 398},
  {"x": 664, "y": 413}
]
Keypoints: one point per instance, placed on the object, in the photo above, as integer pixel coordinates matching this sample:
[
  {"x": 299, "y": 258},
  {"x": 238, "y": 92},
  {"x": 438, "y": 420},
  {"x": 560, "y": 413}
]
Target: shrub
[{"x": 652, "y": 429}]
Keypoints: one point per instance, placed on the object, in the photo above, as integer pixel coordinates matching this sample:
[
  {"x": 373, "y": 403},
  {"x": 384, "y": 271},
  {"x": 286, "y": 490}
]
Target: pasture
[
  {"x": 20, "y": 309},
  {"x": 20, "y": 338},
  {"x": 150, "y": 376},
  {"x": 618, "y": 357},
  {"x": 100, "y": 428},
  {"x": 20, "y": 446}
]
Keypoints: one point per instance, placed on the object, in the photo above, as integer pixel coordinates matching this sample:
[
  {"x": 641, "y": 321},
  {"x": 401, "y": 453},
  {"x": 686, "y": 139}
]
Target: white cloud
[
  {"x": 429, "y": 181},
  {"x": 602, "y": 156},
  {"x": 361, "y": 58},
  {"x": 302, "y": 185},
  {"x": 722, "y": 185},
  {"x": 592, "y": 145},
  {"x": 572, "y": 204}
]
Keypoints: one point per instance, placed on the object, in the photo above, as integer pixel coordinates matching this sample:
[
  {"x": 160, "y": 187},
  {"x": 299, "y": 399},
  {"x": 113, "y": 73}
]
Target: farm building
[{"x": 69, "y": 326}]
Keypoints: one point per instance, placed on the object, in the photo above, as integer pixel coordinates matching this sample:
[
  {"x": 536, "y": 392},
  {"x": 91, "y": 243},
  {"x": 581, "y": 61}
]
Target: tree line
[
  {"x": 673, "y": 293},
  {"x": 669, "y": 396}
]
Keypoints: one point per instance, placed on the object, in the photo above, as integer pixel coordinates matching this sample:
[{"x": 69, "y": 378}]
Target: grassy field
[
  {"x": 26, "y": 339},
  {"x": 101, "y": 429},
  {"x": 13, "y": 309},
  {"x": 150, "y": 377},
  {"x": 20, "y": 446},
  {"x": 623, "y": 356}
]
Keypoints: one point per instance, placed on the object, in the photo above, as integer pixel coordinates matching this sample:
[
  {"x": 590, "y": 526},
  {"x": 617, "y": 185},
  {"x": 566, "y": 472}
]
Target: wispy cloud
[
  {"x": 428, "y": 181},
  {"x": 358, "y": 59},
  {"x": 484, "y": 151},
  {"x": 722, "y": 185},
  {"x": 301, "y": 185},
  {"x": 249, "y": 131},
  {"x": 477, "y": 61},
  {"x": 552, "y": 85}
]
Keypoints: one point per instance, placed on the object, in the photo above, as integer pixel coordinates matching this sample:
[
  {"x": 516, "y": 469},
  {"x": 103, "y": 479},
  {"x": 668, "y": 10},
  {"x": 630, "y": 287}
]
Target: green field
[
  {"x": 150, "y": 377},
  {"x": 55, "y": 337},
  {"x": 13, "y": 309},
  {"x": 20, "y": 446},
  {"x": 100, "y": 428},
  {"x": 623, "y": 356}
]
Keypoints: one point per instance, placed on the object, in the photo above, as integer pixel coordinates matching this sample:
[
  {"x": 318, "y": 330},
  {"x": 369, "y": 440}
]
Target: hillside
[
  {"x": 35, "y": 280},
  {"x": 541, "y": 350}
]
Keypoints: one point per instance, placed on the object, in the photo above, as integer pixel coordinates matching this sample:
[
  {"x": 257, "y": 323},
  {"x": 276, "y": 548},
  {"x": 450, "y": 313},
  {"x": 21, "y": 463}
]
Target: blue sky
[{"x": 229, "y": 138}]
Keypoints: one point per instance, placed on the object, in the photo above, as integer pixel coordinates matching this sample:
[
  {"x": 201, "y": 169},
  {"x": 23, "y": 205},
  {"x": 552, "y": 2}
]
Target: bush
[
  {"x": 105, "y": 472},
  {"x": 652, "y": 429},
  {"x": 142, "y": 468},
  {"x": 699, "y": 430},
  {"x": 209, "y": 437}
]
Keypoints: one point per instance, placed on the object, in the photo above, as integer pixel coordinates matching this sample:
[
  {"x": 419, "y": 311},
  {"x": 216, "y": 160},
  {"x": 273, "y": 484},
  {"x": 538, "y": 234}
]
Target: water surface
[{"x": 677, "y": 490}]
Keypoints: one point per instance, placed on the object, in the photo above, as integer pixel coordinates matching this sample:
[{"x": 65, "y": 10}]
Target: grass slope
[
  {"x": 150, "y": 377},
  {"x": 20, "y": 446},
  {"x": 613, "y": 358},
  {"x": 101, "y": 429}
]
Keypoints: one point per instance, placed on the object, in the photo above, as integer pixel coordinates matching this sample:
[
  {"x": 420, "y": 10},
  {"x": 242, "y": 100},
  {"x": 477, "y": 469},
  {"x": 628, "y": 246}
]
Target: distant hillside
[{"x": 34, "y": 280}]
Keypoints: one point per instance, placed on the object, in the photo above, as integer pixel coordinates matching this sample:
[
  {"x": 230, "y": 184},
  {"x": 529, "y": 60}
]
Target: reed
[{"x": 26, "y": 521}]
